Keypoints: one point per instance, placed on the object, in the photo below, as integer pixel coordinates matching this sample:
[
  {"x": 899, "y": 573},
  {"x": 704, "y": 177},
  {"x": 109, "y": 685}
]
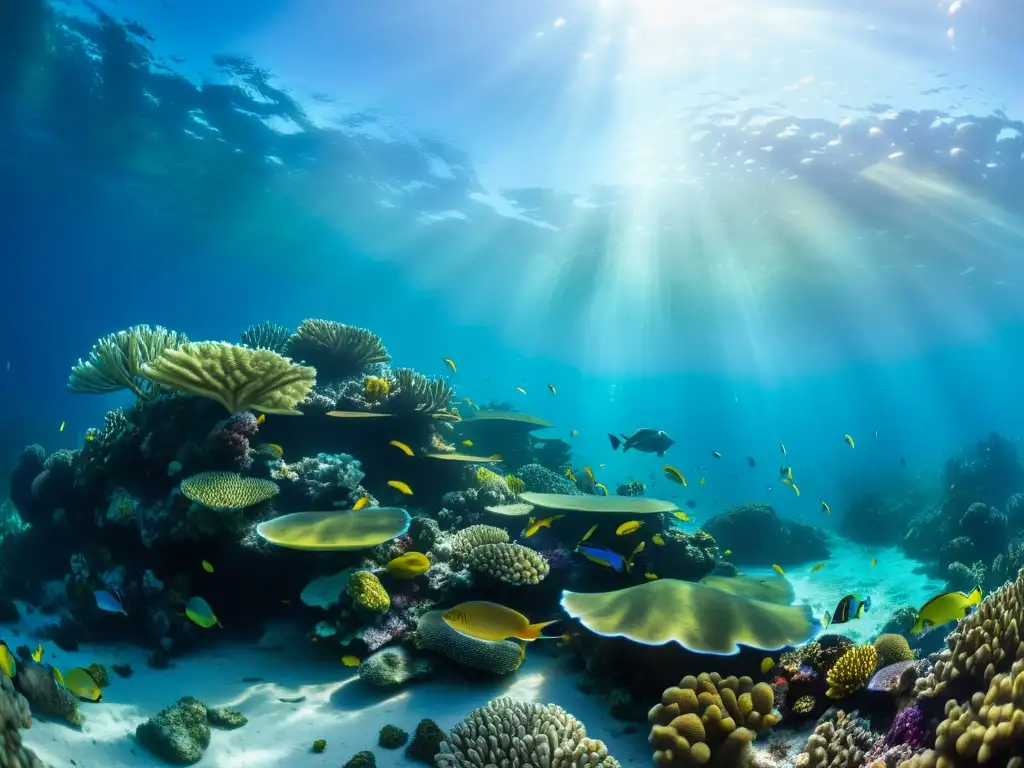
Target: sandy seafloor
[{"x": 339, "y": 708}]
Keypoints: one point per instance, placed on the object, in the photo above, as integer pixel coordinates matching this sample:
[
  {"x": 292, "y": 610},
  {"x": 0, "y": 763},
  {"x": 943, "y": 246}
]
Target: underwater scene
[{"x": 569, "y": 384}]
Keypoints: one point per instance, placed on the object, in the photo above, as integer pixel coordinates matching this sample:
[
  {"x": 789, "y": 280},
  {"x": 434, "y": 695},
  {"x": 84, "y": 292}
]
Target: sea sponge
[
  {"x": 476, "y": 535},
  {"x": 117, "y": 361},
  {"x": 511, "y": 733},
  {"x": 892, "y": 648},
  {"x": 392, "y": 737},
  {"x": 500, "y": 658},
  {"x": 510, "y": 563},
  {"x": 368, "y": 593},
  {"x": 227, "y": 490},
  {"x": 237, "y": 377},
  {"x": 842, "y": 743},
  {"x": 338, "y": 351},
  {"x": 709, "y": 716},
  {"x": 851, "y": 671},
  {"x": 376, "y": 389},
  {"x": 14, "y": 716}
]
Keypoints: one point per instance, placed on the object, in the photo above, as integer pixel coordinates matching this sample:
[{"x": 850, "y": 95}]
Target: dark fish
[
  {"x": 751, "y": 462},
  {"x": 850, "y": 607},
  {"x": 643, "y": 440},
  {"x": 691, "y": 503},
  {"x": 903, "y": 462}
]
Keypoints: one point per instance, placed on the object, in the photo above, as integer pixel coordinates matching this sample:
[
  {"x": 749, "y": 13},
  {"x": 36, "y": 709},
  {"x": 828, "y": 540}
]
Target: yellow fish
[
  {"x": 874, "y": 561},
  {"x": 62, "y": 424},
  {"x": 468, "y": 443},
  {"x": 948, "y": 606},
  {"x": 627, "y": 528},
  {"x": 816, "y": 568},
  {"x": 536, "y": 526},
  {"x": 825, "y": 507},
  {"x": 470, "y": 403},
  {"x": 408, "y": 566},
  {"x": 792, "y": 485},
  {"x": 398, "y": 485},
  {"x": 520, "y": 390},
  {"x": 450, "y": 363},
  {"x": 590, "y": 474},
  {"x": 552, "y": 388},
  {"x": 650, "y": 576},
  {"x": 658, "y": 539},
  {"x": 207, "y": 566},
  {"x": 767, "y": 665},
  {"x": 90, "y": 437},
  {"x": 603, "y": 487},
  {"x": 364, "y": 501},
  {"x": 402, "y": 447},
  {"x": 570, "y": 475},
  {"x": 589, "y": 533},
  {"x": 701, "y": 481},
  {"x": 37, "y": 654},
  {"x": 778, "y": 570},
  {"x": 491, "y": 621},
  {"x": 260, "y": 419},
  {"x": 58, "y": 676},
  {"x": 680, "y": 515},
  {"x": 7, "y": 663},
  {"x": 273, "y": 448},
  {"x": 350, "y": 661},
  {"x": 199, "y": 611},
  {"x": 727, "y": 553},
  {"x": 674, "y": 474},
  {"x": 849, "y": 440},
  {"x": 80, "y": 683}
]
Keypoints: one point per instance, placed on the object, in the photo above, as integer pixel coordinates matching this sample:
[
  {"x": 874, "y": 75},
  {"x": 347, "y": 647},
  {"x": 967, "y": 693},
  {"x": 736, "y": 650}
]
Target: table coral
[
  {"x": 368, "y": 593},
  {"x": 851, "y": 671},
  {"x": 509, "y": 563},
  {"x": 227, "y": 490}
]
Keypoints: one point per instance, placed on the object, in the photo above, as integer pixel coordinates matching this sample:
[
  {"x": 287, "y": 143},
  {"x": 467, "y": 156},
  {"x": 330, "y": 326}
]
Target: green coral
[
  {"x": 392, "y": 737},
  {"x": 368, "y": 593},
  {"x": 178, "y": 734},
  {"x": 227, "y": 490},
  {"x": 364, "y": 759},
  {"x": 225, "y": 718},
  {"x": 426, "y": 742}
]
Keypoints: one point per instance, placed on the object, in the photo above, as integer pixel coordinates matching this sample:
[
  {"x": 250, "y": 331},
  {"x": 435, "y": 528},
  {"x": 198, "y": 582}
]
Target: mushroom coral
[{"x": 698, "y": 617}]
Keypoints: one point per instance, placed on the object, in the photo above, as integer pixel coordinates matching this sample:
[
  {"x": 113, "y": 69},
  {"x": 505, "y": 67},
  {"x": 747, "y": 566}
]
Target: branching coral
[
  {"x": 851, "y": 671},
  {"x": 368, "y": 593},
  {"x": 336, "y": 350},
  {"x": 117, "y": 361},
  {"x": 500, "y": 658},
  {"x": 710, "y": 718},
  {"x": 227, "y": 490},
  {"x": 237, "y": 377},
  {"x": 509, "y": 563},
  {"x": 266, "y": 336},
  {"x": 843, "y": 743}
]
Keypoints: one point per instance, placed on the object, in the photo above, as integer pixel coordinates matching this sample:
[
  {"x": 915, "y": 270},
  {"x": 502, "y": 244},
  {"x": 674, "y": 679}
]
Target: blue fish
[
  {"x": 605, "y": 557},
  {"x": 109, "y": 601}
]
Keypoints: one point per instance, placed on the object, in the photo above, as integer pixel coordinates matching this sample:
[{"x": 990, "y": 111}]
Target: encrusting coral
[
  {"x": 851, "y": 671},
  {"x": 14, "y": 716},
  {"x": 368, "y": 593},
  {"x": 710, "y": 718},
  {"x": 227, "y": 490},
  {"x": 500, "y": 658},
  {"x": 512, "y": 733},
  {"x": 509, "y": 563}
]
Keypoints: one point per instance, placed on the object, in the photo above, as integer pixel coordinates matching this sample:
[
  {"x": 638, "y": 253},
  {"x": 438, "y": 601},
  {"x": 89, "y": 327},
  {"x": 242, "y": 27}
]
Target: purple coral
[
  {"x": 227, "y": 445},
  {"x": 390, "y": 628},
  {"x": 907, "y": 732}
]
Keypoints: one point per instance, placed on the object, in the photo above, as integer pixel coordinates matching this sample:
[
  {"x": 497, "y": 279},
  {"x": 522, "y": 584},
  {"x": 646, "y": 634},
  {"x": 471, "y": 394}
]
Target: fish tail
[
  {"x": 614, "y": 441},
  {"x": 533, "y": 631}
]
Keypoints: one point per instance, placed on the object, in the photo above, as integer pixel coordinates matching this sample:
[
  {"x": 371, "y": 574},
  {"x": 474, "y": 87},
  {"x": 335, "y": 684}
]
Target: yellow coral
[
  {"x": 893, "y": 648},
  {"x": 804, "y": 705},
  {"x": 515, "y": 485},
  {"x": 491, "y": 481},
  {"x": 376, "y": 389},
  {"x": 368, "y": 593},
  {"x": 851, "y": 671},
  {"x": 227, "y": 490}
]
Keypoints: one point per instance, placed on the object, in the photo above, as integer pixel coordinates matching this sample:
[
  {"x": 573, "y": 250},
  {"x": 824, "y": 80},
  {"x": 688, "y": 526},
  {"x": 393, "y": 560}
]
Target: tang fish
[
  {"x": 260, "y": 419},
  {"x": 199, "y": 611},
  {"x": 658, "y": 540},
  {"x": 468, "y": 443},
  {"x": 680, "y": 515},
  {"x": 7, "y": 664},
  {"x": 350, "y": 661},
  {"x": 37, "y": 654},
  {"x": 849, "y": 608},
  {"x": 270, "y": 448},
  {"x": 362, "y": 502},
  {"x": 627, "y": 528},
  {"x": 450, "y": 363},
  {"x": 816, "y": 568},
  {"x": 643, "y": 440},
  {"x": 398, "y": 485},
  {"x": 848, "y": 440},
  {"x": 949, "y": 606},
  {"x": 778, "y": 570},
  {"x": 402, "y": 447},
  {"x": 674, "y": 475},
  {"x": 109, "y": 601},
  {"x": 536, "y": 526},
  {"x": 491, "y": 621},
  {"x": 825, "y": 507},
  {"x": 408, "y": 566},
  {"x": 207, "y": 566},
  {"x": 81, "y": 683},
  {"x": 589, "y": 533}
]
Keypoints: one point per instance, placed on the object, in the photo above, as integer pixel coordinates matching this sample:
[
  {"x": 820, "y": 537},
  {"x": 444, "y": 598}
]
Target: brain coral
[
  {"x": 708, "y": 716},
  {"x": 368, "y": 593},
  {"x": 14, "y": 715},
  {"x": 892, "y": 648},
  {"x": 227, "y": 490},
  {"x": 510, "y": 563},
  {"x": 499, "y": 658},
  {"x": 851, "y": 671},
  {"x": 476, "y": 535},
  {"x": 514, "y": 733}
]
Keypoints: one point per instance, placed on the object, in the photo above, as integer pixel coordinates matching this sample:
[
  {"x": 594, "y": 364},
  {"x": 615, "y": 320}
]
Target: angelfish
[
  {"x": 109, "y": 601},
  {"x": 199, "y": 611}
]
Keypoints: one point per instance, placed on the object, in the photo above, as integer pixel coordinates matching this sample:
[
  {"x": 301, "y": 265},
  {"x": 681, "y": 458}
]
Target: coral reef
[
  {"x": 392, "y": 737},
  {"x": 426, "y": 742},
  {"x": 266, "y": 336},
  {"x": 500, "y": 658},
  {"x": 391, "y": 667},
  {"x": 892, "y": 648},
  {"x": 178, "y": 734},
  {"x": 851, "y": 671},
  {"x": 14, "y": 717},
  {"x": 368, "y": 593},
  {"x": 509, "y": 563},
  {"x": 840, "y": 743},
  {"x": 117, "y": 361},
  {"x": 336, "y": 350},
  {"x": 757, "y": 536}
]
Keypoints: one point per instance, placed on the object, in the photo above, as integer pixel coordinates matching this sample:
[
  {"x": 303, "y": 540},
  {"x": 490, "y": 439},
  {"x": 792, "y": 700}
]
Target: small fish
[
  {"x": 552, "y": 388},
  {"x": 604, "y": 557},
  {"x": 491, "y": 621},
  {"x": 792, "y": 485},
  {"x": 903, "y": 462},
  {"x": 589, "y": 533},
  {"x": 570, "y": 475},
  {"x": 675, "y": 475},
  {"x": 536, "y": 526},
  {"x": 874, "y": 561},
  {"x": 826, "y": 620},
  {"x": 701, "y": 481},
  {"x": 402, "y": 447},
  {"x": 199, "y": 611},
  {"x": 825, "y": 507},
  {"x": 574, "y": 433},
  {"x": 786, "y": 473},
  {"x": 650, "y": 576},
  {"x": 658, "y": 540},
  {"x": 816, "y": 568},
  {"x": 364, "y": 501},
  {"x": 521, "y": 391},
  {"x": 62, "y": 425},
  {"x": 944, "y": 608},
  {"x": 272, "y": 448},
  {"x": 450, "y": 363},
  {"x": 207, "y": 566},
  {"x": 398, "y": 485},
  {"x": 767, "y": 665},
  {"x": 90, "y": 437},
  {"x": 751, "y": 462},
  {"x": 408, "y": 566},
  {"x": 470, "y": 403},
  {"x": 875, "y": 433},
  {"x": 260, "y": 419},
  {"x": 468, "y": 443},
  {"x": 590, "y": 474},
  {"x": 782, "y": 447},
  {"x": 627, "y": 528},
  {"x": 350, "y": 661},
  {"x": 81, "y": 683},
  {"x": 716, "y": 454},
  {"x": 7, "y": 663},
  {"x": 848, "y": 440},
  {"x": 778, "y": 570},
  {"x": 601, "y": 466},
  {"x": 849, "y": 608},
  {"x": 603, "y": 487},
  {"x": 692, "y": 504},
  {"x": 643, "y": 440},
  {"x": 37, "y": 654},
  {"x": 109, "y": 601},
  {"x": 680, "y": 515},
  {"x": 727, "y": 553},
  {"x": 58, "y": 676}
]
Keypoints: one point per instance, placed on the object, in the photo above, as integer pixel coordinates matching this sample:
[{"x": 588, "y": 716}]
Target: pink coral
[
  {"x": 227, "y": 445},
  {"x": 908, "y": 732}
]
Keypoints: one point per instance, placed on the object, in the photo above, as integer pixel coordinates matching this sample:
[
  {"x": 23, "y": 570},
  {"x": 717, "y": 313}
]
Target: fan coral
[
  {"x": 500, "y": 658},
  {"x": 117, "y": 361},
  {"x": 892, "y": 648},
  {"x": 509, "y": 563},
  {"x": 336, "y": 350},
  {"x": 368, "y": 593},
  {"x": 509, "y": 732},
  {"x": 266, "y": 336},
  {"x": 851, "y": 671},
  {"x": 14, "y": 715},
  {"x": 840, "y": 744},
  {"x": 708, "y": 717},
  {"x": 227, "y": 490},
  {"x": 474, "y": 536}
]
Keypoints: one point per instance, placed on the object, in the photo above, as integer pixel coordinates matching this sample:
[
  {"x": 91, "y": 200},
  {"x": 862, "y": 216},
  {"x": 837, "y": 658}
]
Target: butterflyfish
[
  {"x": 675, "y": 475},
  {"x": 363, "y": 501},
  {"x": 408, "y": 566},
  {"x": 402, "y": 447},
  {"x": 109, "y": 601},
  {"x": 552, "y": 388},
  {"x": 7, "y": 664},
  {"x": 848, "y": 440},
  {"x": 37, "y": 654},
  {"x": 816, "y": 568},
  {"x": 260, "y": 419},
  {"x": 207, "y": 566},
  {"x": 658, "y": 540},
  {"x": 627, "y": 528},
  {"x": 778, "y": 570},
  {"x": 949, "y": 606},
  {"x": 350, "y": 661},
  {"x": 825, "y": 507},
  {"x": 468, "y": 443},
  {"x": 450, "y": 363},
  {"x": 398, "y": 485},
  {"x": 520, "y": 390},
  {"x": 491, "y": 621},
  {"x": 680, "y": 515},
  {"x": 590, "y": 474},
  {"x": 82, "y": 684},
  {"x": 603, "y": 487},
  {"x": 826, "y": 620},
  {"x": 589, "y": 533},
  {"x": 716, "y": 454},
  {"x": 199, "y": 611},
  {"x": 533, "y": 527},
  {"x": 767, "y": 665},
  {"x": 849, "y": 608}
]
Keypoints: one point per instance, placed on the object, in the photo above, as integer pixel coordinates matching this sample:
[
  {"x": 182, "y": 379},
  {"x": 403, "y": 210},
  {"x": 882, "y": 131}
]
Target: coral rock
[
  {"x": 14, "y": 716},
  {"x": 392, "y": 666},
  {"x": 178, "y": 734}
]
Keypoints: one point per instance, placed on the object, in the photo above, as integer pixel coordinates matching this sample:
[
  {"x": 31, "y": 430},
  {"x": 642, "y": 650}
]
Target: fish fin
[
  {"x": 614, "y": 441},
  {"x": 533, "y": 631}
]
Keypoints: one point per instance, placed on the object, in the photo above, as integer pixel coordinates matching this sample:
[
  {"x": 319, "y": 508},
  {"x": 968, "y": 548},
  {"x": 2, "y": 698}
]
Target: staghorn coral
[
  {"x": 266, "y": 336},
  {"x": 500, "y": 658},
  {"x": 710, "y": 718},
  {"x": 14, "y": 716},
  {"x": 509, "y": 563},
  {"x": 851, "y": 671},
  {"x": 892, "y": 648},
  {"x": 336, "y": 350},
  {"x": 227, "y": 490},
  {"x": 842, "y": 743},
  {"x": 513, "y": 733},
  {"x": 474, "y": 536},
  {"x": 368, "y": 593},
  {"x": 237, "y": 377},
  {"x": 117, "y": 361}
]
